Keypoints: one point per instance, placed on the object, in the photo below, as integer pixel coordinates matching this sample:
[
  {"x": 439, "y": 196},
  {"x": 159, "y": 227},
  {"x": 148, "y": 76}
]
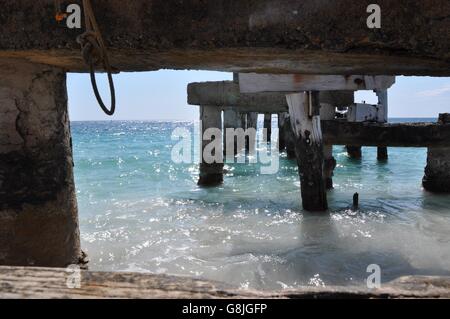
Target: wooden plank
[
  {"x": 304, "y": 111},
  {"x": 226, "y": 93},
  {"x": 386, "y": 134},
  {"x": 258, "y": 83},
  {"x": 46, "y": 283}
]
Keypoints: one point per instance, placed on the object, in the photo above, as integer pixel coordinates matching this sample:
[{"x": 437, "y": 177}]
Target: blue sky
[{"x": 161, "y": 95}]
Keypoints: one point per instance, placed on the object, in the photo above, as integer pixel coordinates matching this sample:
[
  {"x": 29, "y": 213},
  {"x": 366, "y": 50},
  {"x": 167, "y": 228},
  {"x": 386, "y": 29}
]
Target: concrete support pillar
[
  {"x": 437, "y": 171},
  {"x": 304, "y": 110},
  {"x": 211, "y": 164},
  {"x": 354, "y": 151},
  {"x": 231, "y": 120},
  {"x": 328, "y": 112},
  {"x": 38, "y": 208},
  {"x": 268, "y": 126},
  {"x": 252, "y": 123},
  {"x": 382, "y": 151}
]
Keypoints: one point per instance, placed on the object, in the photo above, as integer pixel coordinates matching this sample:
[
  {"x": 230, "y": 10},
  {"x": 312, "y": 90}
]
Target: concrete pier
[
  {"x": 437, "y": 171},
  {"x": 354, "y": 151},
  {"x": 211, "y": 163},
  {"x": 38, "y": 208},
  {"x": 232, "y": 119}
]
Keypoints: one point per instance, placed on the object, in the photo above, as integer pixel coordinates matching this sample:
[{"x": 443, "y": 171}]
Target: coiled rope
[{"x": 93, "y": 50}]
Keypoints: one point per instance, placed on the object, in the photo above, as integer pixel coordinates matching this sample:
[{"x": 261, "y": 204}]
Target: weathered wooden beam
[
  {"x": 259, "y": 83},
  {"x": 46, "y": 283},
  {"x": 38, "y": 208},
  {"x": 386, "y": 134},
  {"x": 226, "y": 93},
  {"x": 304, "y": 111},
  {"x": 269, "y": 36}
]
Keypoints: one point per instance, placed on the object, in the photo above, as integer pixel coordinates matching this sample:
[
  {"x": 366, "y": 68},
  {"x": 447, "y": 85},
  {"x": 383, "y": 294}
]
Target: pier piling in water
[
  {"x": 437, "y": 171},
  {"x": 304, "y": 110},
  {"x": 211, "y": 157},
  {"x": 38, "y": 208},
  {"x": 232, "y": 119}
]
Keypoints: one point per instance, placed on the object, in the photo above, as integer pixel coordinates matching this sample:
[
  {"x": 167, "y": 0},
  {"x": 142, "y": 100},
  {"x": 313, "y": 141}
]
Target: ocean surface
[{"x": 140, "y": 211}]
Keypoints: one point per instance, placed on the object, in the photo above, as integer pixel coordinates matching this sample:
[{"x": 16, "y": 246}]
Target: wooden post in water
[
  {"x": 268, "y": 127},
  {"x": 211, "y": 157},
  {"x": 304, "y": 110},
  {"x": 328, "y": 112},
  {"x": 38, "y": 207},
  {"x": 437, "y": 171}
]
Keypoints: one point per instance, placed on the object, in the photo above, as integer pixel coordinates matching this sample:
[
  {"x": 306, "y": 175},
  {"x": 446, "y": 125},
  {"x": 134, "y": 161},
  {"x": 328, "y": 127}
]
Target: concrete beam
[
  {"x": 384, "y": 134},
  {"x": 258, "y": 83},
  {"x": 266, "y": 36},
  {"x": 226, "y": 93}
]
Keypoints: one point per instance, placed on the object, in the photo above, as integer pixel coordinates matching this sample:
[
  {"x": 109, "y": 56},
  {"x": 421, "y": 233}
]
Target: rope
[{"x": 93, "y": 50}]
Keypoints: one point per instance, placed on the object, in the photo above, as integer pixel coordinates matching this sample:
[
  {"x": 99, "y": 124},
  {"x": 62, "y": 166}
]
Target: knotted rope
[{"x": 93, "y": 50}]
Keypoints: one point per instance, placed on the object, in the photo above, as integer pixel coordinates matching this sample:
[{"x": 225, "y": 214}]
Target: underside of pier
[{"x": 264, "y": 36}]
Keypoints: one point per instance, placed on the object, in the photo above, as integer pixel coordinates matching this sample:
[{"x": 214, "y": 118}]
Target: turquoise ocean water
[{"x": 139, "y": 211}]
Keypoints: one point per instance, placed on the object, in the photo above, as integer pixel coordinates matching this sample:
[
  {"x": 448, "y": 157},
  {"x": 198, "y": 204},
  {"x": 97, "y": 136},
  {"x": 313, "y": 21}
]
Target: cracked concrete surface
[{"x": 38, "y": 209}]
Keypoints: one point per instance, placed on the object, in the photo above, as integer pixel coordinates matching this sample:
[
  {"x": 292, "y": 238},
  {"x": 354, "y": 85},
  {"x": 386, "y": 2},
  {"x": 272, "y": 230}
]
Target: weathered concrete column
[
  {"x": 252, "y": 123},
  {"x": 268, "y": 126},
  {"x": 382, "y": 151},
  {"x": 211, "y": 162},
  {"x": 231, "y": 120},
  {"x": 328, "y": 112},
  {"x": 38, "y": 208},
  {"x": 354, "y": 151},
  {"x": 304, "y": 109},
  {"x": 437, "y": 171}
]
